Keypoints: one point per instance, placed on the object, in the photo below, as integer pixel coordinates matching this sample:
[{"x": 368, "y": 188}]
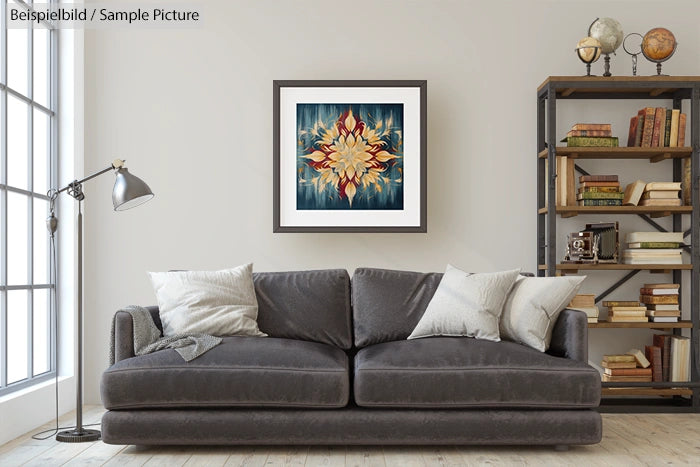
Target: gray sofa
[{"x": 337, "y": 369}]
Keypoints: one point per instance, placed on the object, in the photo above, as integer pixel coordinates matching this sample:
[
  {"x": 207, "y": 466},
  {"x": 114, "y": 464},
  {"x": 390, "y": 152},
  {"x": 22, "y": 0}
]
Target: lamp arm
[{"x": 117, "y": 164}]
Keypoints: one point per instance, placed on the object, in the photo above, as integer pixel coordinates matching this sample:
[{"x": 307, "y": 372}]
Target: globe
[
  {"x": 609, "y": 32},
  {"x": 588, "y": 49},
  {"x": 658, "y": 44}
]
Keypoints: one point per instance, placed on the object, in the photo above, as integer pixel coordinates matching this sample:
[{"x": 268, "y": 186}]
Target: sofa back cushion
[
  {"x": 387, "y": 305},
  {"x": 306, "y": 305}
]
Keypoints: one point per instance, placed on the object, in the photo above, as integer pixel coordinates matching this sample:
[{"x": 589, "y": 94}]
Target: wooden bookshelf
[
  {"x": 652, "y": 154},
  {"x": 653, "y": 211},
  {"x": 649, "y": 325},
  {"x": 572, "y": 267},
  {"x": 640, "y": 391}
]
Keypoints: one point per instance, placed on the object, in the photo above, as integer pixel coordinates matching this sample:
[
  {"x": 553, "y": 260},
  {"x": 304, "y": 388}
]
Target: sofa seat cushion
[
  {"x": 240, "y": 372},
  {"x": 461, "y": 372}
]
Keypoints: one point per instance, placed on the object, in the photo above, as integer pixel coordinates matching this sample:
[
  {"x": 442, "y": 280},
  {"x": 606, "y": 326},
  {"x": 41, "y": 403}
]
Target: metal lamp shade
[{"x": 129, "y": 191}]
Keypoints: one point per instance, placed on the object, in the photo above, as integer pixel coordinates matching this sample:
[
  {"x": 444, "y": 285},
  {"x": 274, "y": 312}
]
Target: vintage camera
[
  {"x": 581, "y": 246},
  {"x": 597, "y": 243}
]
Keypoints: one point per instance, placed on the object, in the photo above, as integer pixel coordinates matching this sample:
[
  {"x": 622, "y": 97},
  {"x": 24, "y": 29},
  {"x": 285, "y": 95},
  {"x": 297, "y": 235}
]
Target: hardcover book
[
  {"x": 653, "y": 354},
  {"x": 599, "y": 195},
  {"x": 599, "y": 189},
  {"x": 607, "y": 133},
  {"x": 659, "y": 123},
  {"x": 598, "y": 178},
  {"x": 673, "y": 138},
  {"x": 628, "y": 371},
  {"x": 663, "y": 341},
  {"x": 600, "y": 184},
  {"x": 610, "y": 303},
  {"x": 639, "y": 356},
  {"x": 649, "y": 113},
  {"x": 676, "y": 237},
  {"x": 632, "y": 364},
  {"x": 660, "y": 202},
  {"x": 640, "y": 128},
  {"x": 591, "y": 141},
  {"x": 673, "y": 186},
  {"x": 659, "y": 299},
  {"x": 667, "y": 129},
  {"x": 626, "y": 379},
  {"x": 680, "y": 358},
  {"x": 681, "y": 130},
  {"x": 619, "y": 358},
  {"x": 592, "y": 126},
  {"x": 634, "y": 121},
  {"x": 600, "y": 202},
  {"x": 627, "y": 319},
  {"x": 633, "y": 193},
  {"x": 653, "y": 245},
  {"x": 661, "y": 194},
  {"x": 662, "y": 286},
  {"x": 645, "y": 291}
]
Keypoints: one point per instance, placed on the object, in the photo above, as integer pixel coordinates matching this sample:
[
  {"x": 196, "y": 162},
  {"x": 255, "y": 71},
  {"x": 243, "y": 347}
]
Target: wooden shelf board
[
  {"x": 653, "y": 154},
  {"x": 649, "y": 325},
  {"x": 653, "y": 85},
  {"x": 654, "y": 211},
  {"x": 618, "y": 267},
  {"x": 646, "y": 391}
]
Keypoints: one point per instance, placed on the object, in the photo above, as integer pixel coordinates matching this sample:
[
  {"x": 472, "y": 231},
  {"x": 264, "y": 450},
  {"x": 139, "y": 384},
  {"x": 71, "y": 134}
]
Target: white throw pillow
[
  {"x": 220, "y": 303},
  {"x": 466, "y": 304},
  {"x": 533, "y": 307}
]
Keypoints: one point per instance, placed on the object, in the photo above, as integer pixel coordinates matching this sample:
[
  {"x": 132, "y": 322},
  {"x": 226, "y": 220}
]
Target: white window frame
[{"x": 50, "y": 111}]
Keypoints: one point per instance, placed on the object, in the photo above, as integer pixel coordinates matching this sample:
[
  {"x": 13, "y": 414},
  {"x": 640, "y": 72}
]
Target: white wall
[{"x": 191, "y": 111}]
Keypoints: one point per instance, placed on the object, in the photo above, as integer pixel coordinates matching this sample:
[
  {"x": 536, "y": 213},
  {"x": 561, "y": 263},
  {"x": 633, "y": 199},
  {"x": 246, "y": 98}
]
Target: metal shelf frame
[{"x": 677, "y": 89}]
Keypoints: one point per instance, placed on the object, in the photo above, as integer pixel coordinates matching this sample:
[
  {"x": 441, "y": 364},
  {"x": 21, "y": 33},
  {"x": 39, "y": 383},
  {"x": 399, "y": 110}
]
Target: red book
[
  {"x": 664, "y": 342},
  {"x": 633, "y": 130},
  {"x": 659, "y": 123},
  {"x": 640, "y": 127},
  {"x": 681, "y": 130},
  {"x": 653, "y": 354},
  {"x": 648, "y": 129}
]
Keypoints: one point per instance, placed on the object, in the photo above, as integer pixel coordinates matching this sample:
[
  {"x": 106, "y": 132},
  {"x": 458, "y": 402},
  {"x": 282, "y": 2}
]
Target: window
[{"x": 27, "y": 171}]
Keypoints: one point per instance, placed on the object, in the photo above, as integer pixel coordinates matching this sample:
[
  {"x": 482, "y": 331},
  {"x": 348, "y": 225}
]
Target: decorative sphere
[
  {"x": 609, "y": 32},
  {"x": 658, "y": 44},
  {"x": 588, "y": 49}
]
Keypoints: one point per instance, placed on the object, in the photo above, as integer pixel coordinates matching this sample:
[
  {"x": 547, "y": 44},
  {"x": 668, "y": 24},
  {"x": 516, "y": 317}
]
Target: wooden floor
[{"x": 645, "y": 439}]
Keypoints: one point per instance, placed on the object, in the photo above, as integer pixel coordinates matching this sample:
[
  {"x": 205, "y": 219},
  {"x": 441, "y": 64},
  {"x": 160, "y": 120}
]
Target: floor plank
[
  {"x": 325, "y": 455},
  {"x": 364, "y": 456},
  {"x": 247, "y": 457}
]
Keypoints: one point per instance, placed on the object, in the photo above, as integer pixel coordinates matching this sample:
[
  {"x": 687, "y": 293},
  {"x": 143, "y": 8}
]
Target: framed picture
[{"x": 349, "y": 156}]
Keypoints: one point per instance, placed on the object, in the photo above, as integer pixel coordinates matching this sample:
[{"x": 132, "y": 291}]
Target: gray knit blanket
[{"x": 147, "y": 337}]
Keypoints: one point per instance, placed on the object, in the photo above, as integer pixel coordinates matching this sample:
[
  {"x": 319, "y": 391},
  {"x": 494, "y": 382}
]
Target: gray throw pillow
[
  {"x": 220, "y": 303},
  {"x": 466, "y": 304},
  {"x": 533, "y": 306}
]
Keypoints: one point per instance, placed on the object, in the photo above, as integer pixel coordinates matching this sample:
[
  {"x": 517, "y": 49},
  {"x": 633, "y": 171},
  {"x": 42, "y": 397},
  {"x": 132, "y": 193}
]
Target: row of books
[
  {"x": 591, "y": 135},
  {"x": 639, "y": 193},
  {"x": 585, "y": 303},
  {"x": 667, "y": 359},
  {"x": 653, "y": 248},
  {"x": 657, "y": 127}
]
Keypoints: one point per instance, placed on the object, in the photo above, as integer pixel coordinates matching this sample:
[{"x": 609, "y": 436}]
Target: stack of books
[
  {"x": 599, "y": 190},
  {"x": 661, "y": 194},
  {"x": 585, "y": 303},
  {"x": 653, "y": 248},
  {"x": 591, "y": 135},
  {"x": 661, "y": 301},
  {"x": 654, "y": 127},
  {"x": 626, "y": 311},
  {"x": 630, "y": 367}
]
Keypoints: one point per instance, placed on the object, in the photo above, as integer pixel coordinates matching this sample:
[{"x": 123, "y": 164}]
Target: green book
[
  {"x": 592, "y": 141},
  {"x": 654, "y": 245},
  {"x": 600, "y": 202},
  {"x": 600, "y": 195},
  {"x": 599, "y": 189}
]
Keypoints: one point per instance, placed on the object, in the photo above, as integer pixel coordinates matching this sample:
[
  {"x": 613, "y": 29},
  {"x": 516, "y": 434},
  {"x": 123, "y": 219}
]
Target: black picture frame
[{"x": 279, "y": 85}]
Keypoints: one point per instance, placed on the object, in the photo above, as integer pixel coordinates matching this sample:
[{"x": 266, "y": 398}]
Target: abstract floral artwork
[{"x": 350, "y": 156}]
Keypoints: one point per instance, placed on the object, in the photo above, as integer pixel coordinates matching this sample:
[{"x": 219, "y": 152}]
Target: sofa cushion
[
  {"x": 387, "y": 305},
  {"x": 307, "y": 305},
  {"x": 460, "y": 372},
  {"x": 240, "y": 372}
]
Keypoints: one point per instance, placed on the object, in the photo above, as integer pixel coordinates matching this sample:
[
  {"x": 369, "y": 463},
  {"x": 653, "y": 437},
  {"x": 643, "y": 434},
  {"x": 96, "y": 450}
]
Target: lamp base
[{"x": 78, "y": 436}]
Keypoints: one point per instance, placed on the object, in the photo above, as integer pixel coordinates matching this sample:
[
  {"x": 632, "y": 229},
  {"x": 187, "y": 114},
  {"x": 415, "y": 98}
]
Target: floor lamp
[{"x": 129, "y": 191}]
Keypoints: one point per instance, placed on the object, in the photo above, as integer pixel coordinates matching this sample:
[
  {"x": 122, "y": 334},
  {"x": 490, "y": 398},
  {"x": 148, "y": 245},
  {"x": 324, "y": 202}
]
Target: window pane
[
  {"x": 41, "y": 242},
  {"x": 16, "y": 335},
  {"x": 17, "y": 238},
  {"x": 17, "y": 150},
  {"x": 17, "y": 59},
  {"x": 41, "y": 65},
  {"x": 42, "y": 337},
  {"x": 41, "y": 152}
]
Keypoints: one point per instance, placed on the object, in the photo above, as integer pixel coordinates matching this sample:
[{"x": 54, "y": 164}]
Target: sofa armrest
[
  {"x": 570, "y": 336},
  {"x": 124, "y": 333}
]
